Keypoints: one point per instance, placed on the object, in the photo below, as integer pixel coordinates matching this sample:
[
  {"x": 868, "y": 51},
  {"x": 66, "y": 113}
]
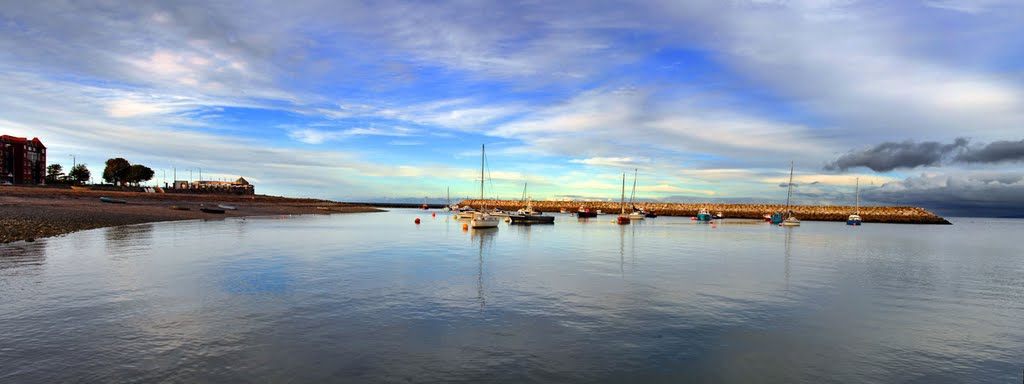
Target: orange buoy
[
  {"x": 417, "y": 220},
  {"x": 465, "y": 226}
]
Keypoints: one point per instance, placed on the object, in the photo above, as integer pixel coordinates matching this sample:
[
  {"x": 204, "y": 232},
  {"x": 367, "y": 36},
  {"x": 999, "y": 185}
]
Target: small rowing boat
[
  {"x": 211, "y": 210},
  {"x": 113, "y": 201},
  {"x": 228, "y": 207}
]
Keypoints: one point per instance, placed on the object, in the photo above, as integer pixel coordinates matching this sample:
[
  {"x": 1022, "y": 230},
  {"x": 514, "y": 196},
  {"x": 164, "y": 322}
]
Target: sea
[{"x": 375, "y": 297}]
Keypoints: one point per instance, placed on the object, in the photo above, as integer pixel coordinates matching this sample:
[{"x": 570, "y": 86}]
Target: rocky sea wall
[{"x": 904, "y": 215}]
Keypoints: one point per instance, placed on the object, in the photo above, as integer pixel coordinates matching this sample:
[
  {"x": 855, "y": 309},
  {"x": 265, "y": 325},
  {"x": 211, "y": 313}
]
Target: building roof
[
  {"x": 242, "y": 181},
  {"x": 22, "y": 140}
]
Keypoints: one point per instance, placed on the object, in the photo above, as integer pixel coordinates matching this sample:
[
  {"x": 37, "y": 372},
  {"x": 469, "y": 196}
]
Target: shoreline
[{"x": 29, "y": 213}]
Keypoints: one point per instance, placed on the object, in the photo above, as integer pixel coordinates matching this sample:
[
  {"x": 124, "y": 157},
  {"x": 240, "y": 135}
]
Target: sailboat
[
  {"x": 790, "y": 220},
  {"x": 623, "y": 217},
  {"x": 483, "y": 219},
  {"x": 636, "y": 214},
  {"x": 448, "y": 201},
  {"x": 424, "y": 206},
  {"x": 854, "y": 219}
]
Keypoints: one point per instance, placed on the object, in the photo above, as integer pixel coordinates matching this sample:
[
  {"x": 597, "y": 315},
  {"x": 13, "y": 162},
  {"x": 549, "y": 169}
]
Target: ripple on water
[{"x": 372, "y": 297}]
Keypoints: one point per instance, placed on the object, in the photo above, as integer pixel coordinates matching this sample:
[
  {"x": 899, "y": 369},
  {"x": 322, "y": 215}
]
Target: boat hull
[
  {"x": 586, "y": 214},
  {"x": 531, "y": 219},
  {"x": 703, "y": 217}
]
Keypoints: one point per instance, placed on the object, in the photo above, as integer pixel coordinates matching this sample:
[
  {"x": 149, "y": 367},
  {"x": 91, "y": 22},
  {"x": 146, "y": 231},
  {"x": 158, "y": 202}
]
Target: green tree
[
  {"x": 54, "y": 172},
  {"x": 79, "y": 174},
  {"x": 117, "y": 171},
  {"x": 138, "y": 173}
]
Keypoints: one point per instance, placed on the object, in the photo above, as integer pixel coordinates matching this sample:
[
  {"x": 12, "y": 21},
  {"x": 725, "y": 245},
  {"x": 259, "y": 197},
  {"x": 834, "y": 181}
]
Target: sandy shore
[{"x": 28, "y": 213}]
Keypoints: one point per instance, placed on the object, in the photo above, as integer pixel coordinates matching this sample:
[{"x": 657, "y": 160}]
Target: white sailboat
[
  {"x": 790, "y": 221},
  {"x": 448, "y": 201},
  {"x": 483, "y": 219},
  {"x": 854, "y": 219},
  {"x": 635, "y": 214}
]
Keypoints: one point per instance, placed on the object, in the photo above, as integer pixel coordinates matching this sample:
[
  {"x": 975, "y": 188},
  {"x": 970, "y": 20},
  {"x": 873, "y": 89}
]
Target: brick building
[{"x": 22, "y": 161}]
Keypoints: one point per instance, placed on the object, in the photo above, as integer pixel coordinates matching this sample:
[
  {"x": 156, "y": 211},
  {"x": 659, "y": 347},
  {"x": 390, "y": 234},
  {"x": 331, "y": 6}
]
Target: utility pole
[{"x": 200, "y": 174}]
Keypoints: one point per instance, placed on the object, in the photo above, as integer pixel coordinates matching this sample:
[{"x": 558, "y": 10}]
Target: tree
[
  {"x": 54, "y": 172},
  {"x": 138, "y": 173},
  {"x": 79, "y": 174},
  {"x": 116, "y": 171}
]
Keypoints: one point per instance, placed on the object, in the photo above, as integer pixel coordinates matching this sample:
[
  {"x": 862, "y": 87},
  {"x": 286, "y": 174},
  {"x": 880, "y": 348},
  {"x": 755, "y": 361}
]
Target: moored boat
[
  {"x": 623, "y": 218},
  {"x": 113, "y": 200},
  {"x": 230, "y": 207},
  {"x": 585, "y": 213},
  {"x": 483, "y": 219},
  {"x": 211, "y": 210},
  {"x": 790, "y": 221},
  {"x": 527, "y": 215},
  {"x": 854, "y": 219},
  {"x": 703, "y": 215}
]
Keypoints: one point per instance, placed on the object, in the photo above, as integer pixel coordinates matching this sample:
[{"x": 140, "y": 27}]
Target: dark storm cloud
[
  {"x": 990, "y": 194},
  {"x": 995, "y": 152},
  {"x": 891, "y": 155}
]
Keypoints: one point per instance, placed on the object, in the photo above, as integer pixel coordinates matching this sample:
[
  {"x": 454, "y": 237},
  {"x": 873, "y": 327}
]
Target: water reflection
[
  {"x": 484, "y": 238},
  {"x": 121, "y": 241},
  {"x": 23, "y": 254},
  {"x": 374, "y": 298}
]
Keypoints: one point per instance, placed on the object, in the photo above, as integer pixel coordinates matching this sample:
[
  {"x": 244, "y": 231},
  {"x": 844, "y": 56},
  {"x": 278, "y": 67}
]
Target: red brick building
[{"x": 22, "y": 161}]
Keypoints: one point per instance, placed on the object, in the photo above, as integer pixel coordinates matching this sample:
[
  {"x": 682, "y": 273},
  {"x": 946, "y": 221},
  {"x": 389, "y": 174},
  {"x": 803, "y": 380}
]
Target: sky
[{"x": 921, "y": 101}]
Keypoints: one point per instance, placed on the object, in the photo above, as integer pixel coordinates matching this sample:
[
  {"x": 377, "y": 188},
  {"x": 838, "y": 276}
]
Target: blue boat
[
  {"x": 777, "y": 218},
  {"x": 113, "y": 201},
  {"x": 703, "y": 215}
]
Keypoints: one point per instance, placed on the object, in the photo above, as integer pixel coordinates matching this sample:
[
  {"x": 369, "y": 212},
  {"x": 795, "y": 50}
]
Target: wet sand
[{"x": 29, "y": 213}]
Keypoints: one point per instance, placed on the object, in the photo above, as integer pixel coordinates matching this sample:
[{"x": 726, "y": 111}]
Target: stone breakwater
[{"x": 903, "y": 215}]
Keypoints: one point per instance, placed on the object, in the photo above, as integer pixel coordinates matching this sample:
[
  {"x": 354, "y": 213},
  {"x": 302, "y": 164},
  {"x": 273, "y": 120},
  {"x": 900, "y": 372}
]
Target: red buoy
[
  {"x": 417, "y": 220},
  {"x": 433, "y": 215}
]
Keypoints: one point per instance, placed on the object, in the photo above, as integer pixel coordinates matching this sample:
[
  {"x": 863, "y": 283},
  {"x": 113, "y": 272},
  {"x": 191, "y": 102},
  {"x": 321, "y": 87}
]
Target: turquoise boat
[
  {"x": 113, "y": 201},
  {"x": 703, "y": 215}
]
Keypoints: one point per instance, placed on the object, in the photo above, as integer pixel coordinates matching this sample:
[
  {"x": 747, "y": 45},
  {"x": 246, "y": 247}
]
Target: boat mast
[
  {"x": 633, "y": 194},
  {"x": 790, "y": 194},
  {"x": 483, "y": 206},
  {"x": 622, "y": 203},
  {"x": 481, "y": 173},
  {"x": 857, "y": 211}
]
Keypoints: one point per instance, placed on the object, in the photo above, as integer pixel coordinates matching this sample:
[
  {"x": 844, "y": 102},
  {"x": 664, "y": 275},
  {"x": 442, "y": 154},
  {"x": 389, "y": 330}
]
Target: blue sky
[{"x": 365, "y": 101}]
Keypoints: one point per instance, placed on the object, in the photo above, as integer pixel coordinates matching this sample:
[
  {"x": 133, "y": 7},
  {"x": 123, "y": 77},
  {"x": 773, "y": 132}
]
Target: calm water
[{"x": 373, "y": 297}]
